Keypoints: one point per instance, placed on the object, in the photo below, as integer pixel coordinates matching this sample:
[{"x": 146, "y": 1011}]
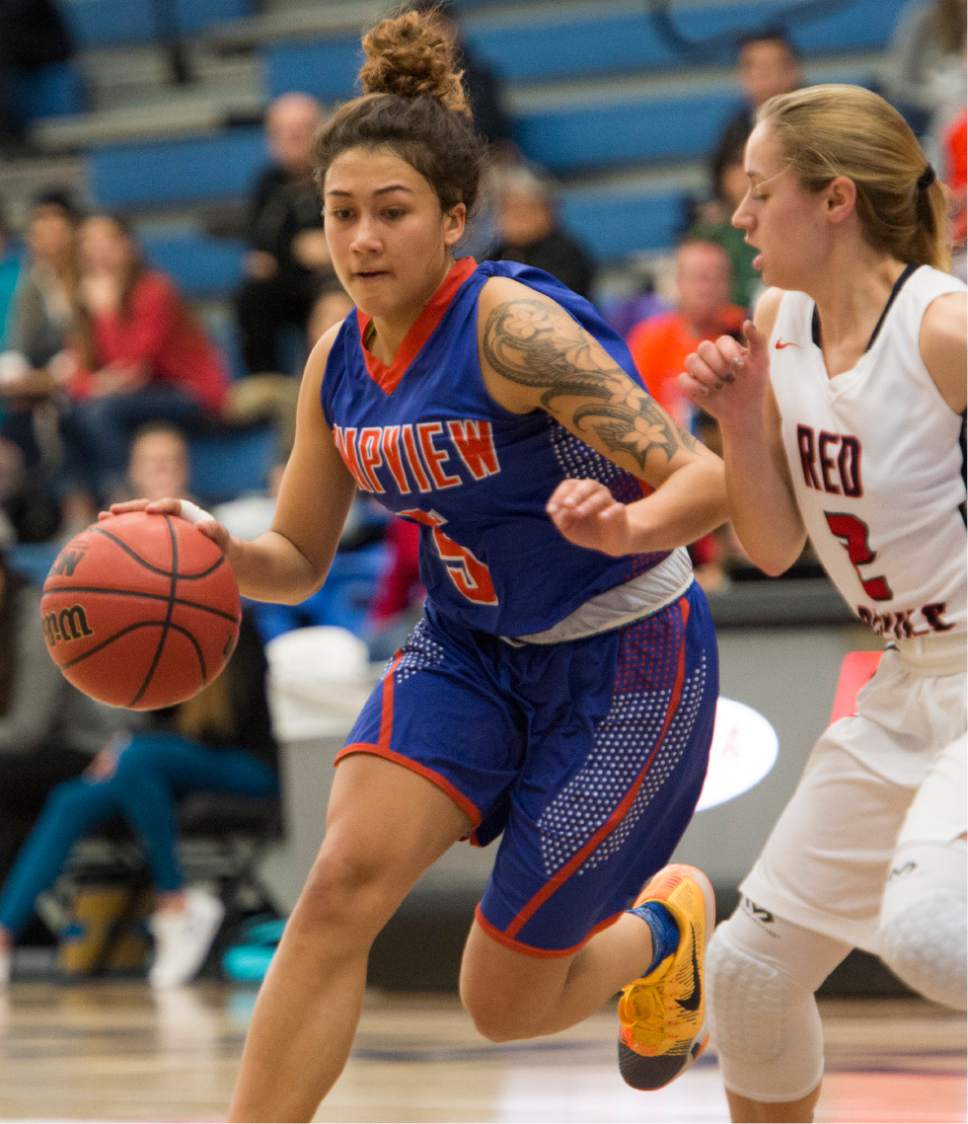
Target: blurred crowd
[{"x": 109, "y": 378}]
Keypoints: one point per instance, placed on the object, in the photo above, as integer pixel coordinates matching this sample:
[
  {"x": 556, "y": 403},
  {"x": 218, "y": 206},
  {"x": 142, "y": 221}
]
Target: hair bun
[{"x": 408, "y": 56}]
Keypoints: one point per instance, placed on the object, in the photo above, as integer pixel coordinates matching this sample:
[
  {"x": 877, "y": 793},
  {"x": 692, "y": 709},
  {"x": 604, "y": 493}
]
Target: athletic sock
[{"x": 665, "y": 931}]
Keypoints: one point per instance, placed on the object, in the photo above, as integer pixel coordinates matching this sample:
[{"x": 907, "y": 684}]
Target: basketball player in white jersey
[{"x": 843, "y": 420}]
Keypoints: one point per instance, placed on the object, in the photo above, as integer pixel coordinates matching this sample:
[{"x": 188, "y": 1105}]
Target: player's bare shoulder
[
  {"x": 315, "y": 367},
  {"x": 943, "y": 342},
  {"x": 767, "y": 308}
]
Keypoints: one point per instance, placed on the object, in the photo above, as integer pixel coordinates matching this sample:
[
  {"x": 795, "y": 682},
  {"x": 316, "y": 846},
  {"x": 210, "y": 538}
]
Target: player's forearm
[
  {"x": 273, "y": 568},
  {"x": 762, "y": 509},
  {"x": 689, "y": 504}
]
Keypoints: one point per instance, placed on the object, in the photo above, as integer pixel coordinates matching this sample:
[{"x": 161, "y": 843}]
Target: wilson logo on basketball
[{"x": 67, "y": 625}]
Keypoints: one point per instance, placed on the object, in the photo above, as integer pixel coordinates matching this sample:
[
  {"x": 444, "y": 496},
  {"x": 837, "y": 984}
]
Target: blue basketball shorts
[{"x": 589, "y": 756}]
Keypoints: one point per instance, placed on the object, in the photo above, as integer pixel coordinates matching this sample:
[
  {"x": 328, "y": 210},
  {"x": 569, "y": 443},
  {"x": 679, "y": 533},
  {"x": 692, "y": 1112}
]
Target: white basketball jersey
[{"x": 876, "y": 458}]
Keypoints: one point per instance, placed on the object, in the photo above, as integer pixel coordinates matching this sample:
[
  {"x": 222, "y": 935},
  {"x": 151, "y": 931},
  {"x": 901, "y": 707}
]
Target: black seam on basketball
[
  {"x": 141, "y": 595},
  {"x": 132, "y": 553},
  {"x": 134, "y": 628},
  {"x": 171, "y": 608}
]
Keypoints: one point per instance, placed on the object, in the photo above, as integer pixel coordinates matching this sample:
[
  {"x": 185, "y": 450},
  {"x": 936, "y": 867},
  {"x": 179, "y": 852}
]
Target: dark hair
[
  {"x": 157, "y": 425},
  {"x": 414, "y": 105},
  {"x": 59, "y": 198},
  {"x": 771, "y": 33}
]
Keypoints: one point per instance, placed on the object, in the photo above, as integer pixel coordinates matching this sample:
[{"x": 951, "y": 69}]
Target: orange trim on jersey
[
  {"x": 386, "y": 710},
  {"x": 387, "y": 378},
  {"x": 529, "y": 949},
  {"x": 573, "y": 864},
  {"x": 468, "y": 807}
]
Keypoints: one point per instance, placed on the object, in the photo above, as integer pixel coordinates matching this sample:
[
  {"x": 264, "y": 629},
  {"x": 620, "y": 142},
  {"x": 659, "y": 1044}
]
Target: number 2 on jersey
[
  {"x": 468, "y": 573},
  {"x": 853, "y": 534}
]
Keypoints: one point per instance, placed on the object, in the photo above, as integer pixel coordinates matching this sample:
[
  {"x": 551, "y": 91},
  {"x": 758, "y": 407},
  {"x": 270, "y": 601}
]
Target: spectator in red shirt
[
  {"x": 703, "y": 311},
  {"x": 659, "y": 347},
  {"x": 140, "y": 356}
]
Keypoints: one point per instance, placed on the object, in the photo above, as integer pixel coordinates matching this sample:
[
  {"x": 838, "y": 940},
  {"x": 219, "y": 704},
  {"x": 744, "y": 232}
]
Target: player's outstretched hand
[
  {"x": 728, "y": 380},
  {"x": 184, "y": 509},
  {"x": 587, "y": 514}
]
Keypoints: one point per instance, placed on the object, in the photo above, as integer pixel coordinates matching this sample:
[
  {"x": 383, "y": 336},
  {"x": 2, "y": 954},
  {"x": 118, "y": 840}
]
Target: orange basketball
[{"x": 140, "y": 611}]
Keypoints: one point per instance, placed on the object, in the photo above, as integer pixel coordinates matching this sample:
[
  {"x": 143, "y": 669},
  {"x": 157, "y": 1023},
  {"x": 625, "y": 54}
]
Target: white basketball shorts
[{"x": 894, "y": 773}]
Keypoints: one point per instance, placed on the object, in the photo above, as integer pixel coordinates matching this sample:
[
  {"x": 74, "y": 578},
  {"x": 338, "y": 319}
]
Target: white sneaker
[{"x": 183, "y": 938}]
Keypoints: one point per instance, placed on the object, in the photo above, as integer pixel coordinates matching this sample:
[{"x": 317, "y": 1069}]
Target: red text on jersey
[
  {"x": 423, "y": 456},
  {"x": 830, "y": 461}
]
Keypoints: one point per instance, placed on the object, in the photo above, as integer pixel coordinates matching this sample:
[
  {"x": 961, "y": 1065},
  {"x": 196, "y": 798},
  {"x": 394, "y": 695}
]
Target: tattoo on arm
[{"x": 530, "y": 343}]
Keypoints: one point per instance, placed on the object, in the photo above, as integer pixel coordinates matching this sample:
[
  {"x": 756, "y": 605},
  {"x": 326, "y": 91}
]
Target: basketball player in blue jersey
[
  {"x": 843, "y": 420},
  {"x": 558, "y": 696}
]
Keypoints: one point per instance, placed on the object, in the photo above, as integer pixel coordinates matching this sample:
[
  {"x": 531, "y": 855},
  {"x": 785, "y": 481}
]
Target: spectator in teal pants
[{"x": 219, "y": 741}]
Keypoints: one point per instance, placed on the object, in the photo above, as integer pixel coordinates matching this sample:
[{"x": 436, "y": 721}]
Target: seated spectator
[
  {"x": 953, "y": 138},
  {"x": 273, "y": 397},
  {"x": 712, "y": 222},
  {"x": 219, "y": 741},
  {"x": 49, "y": 731},
  {"x": 140, "y": 356},
  {"x": 43, "y": 305},
  {"x": 529, "y": 229},
  {"x": 659, "y": 347},
  {"x": 9, "y": 273},
  {"x": 28, "y": 512},
  {"x": 288, "y": 254},
  {"x": 36, "y": 362},
  {"x": 330, "y": 305},
  {"x": 768, "y": 64},
  {"x": 702, "y": 311},
  {"x": 924, "y": 69},
  {"x": 624, "y": 311},
  {"x": 159, "y": 463}
]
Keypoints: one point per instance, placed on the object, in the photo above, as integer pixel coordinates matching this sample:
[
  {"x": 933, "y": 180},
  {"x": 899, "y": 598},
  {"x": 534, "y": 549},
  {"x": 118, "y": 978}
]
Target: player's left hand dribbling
[
  {"x": 184, "y": 509},
  {"x": 587, "y": 514}
]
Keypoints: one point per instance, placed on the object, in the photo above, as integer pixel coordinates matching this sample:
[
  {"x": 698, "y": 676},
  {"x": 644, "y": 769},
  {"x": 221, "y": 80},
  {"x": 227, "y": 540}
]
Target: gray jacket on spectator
[
  {"x": 44, "y": 709},
  {"x": 40, "y": 317}
]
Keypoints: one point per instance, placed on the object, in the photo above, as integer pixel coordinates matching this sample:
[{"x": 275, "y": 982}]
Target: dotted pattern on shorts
[
  {"x": 673, "y": 747},
  {"x": 648, "y": 659},
  {"x": 580, "y": 461},
  {"x": 420, "y": 652},
  {"x": 645, "y": 678}
]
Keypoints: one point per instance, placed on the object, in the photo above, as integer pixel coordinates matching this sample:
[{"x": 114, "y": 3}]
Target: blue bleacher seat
[
  {"x": 326, "y": 69},
  {"x": 110, "y": 23},
  {"x": 343, "y": 601},
  {"x": 54, "y": 90},
  {"x": 612, "y": 225},
  {"x": 201, "y": 266},
  {"x": 32, "y": 560},
  {"x": 554, "y": 47},
  {"x": 171, "y": 172},
  {"x": 228, "y": 463},
  {"x": 609, "y": 133}
]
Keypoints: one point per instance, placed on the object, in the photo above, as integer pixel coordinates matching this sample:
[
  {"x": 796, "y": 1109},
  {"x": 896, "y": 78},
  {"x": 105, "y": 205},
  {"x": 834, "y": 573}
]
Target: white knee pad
[
  {"x": 764, "y": 1021},
  {"x": 922, "y": 931}
]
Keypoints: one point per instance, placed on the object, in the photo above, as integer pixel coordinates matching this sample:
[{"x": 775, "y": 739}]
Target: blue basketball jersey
[{"x": 425, "y": 438}]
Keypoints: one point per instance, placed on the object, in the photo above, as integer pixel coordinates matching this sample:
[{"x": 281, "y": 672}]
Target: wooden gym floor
[{"x": 113, "y": 1051}]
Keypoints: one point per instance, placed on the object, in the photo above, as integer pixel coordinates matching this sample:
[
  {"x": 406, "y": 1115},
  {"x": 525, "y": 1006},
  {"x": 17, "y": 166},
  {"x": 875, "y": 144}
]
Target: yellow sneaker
[{"x": 662, "y": 1015}]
